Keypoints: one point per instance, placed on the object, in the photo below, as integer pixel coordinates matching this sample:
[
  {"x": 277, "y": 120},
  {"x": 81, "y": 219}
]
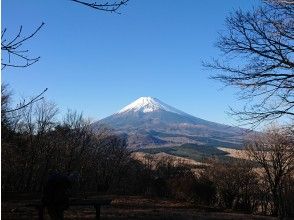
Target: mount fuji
[{"x": 148, "y": 122}]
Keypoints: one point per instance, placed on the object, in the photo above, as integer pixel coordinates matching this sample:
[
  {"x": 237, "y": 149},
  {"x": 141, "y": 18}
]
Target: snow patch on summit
[{"x": 149, "y": 104}]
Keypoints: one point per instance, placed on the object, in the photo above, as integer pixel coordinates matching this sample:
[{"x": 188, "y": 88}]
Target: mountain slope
[{"x": 149, "y": 122}]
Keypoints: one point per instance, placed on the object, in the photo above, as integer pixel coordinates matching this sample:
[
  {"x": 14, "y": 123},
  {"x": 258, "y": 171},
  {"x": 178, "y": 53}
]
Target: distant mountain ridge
[{"x": 148, "y": 122}]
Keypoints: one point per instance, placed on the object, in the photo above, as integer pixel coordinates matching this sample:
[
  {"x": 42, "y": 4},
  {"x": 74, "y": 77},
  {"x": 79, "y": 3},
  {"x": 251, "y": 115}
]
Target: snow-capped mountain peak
[
  {"x": 149, "y": 122},
  {"x": 149, "y": 104}
]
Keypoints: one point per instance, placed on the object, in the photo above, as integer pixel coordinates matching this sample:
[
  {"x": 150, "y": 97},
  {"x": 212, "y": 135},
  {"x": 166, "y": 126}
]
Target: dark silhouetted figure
[{"x": 56, "y": 195}]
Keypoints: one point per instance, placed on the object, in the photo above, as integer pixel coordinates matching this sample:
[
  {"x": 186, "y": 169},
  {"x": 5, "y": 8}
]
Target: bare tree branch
[
  {"x": 12, "y": 53},
  {"x": 258, "y": 52},
  {"x": 25, "y": 103},
  {"x": 109, "y": 7}
]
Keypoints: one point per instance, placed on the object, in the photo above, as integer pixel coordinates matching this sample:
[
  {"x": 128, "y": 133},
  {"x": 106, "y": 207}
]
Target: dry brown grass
[
  {"x": 240, "y": 154},
  {"x": 154, "y": 159}
]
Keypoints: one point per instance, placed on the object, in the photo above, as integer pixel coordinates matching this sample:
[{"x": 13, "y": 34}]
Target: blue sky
[{"x": 98, "y": 62}]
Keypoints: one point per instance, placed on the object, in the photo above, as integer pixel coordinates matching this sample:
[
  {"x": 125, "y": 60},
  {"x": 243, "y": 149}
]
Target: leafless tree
[
  {"x": 5, "y": 104},
  {"x": 40, "y": 143},
  {"x": 13, "y": 53},
  {"x": 274, "y": 152},
  {"x": 24, "y": 103},
  {"x": 236, "y": 183},
  {"x": 257, "y": 57},
  {"x": 109, "y": 7}
]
